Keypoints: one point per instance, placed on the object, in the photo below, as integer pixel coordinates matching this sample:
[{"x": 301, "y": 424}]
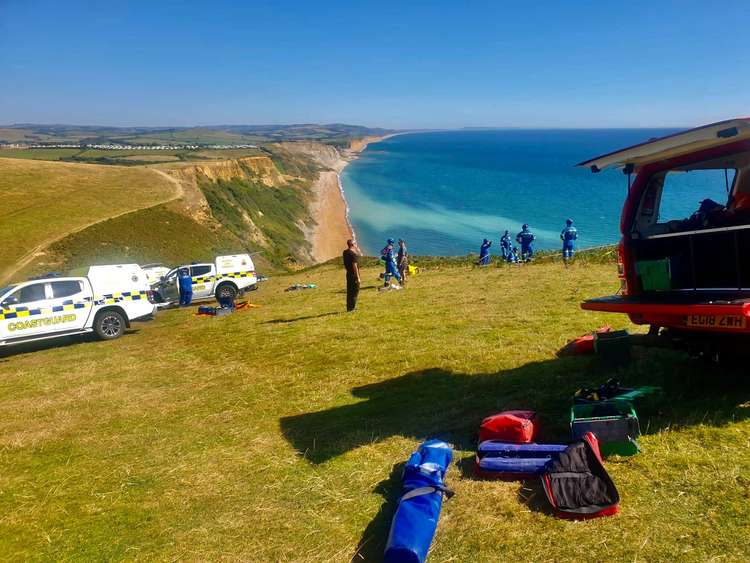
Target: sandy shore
[{"x": 329, "y": 208}]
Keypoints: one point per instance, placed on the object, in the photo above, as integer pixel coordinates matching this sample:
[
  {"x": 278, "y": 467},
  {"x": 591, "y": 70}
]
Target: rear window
[
  {"x": 199, "y": 270},
  {"x": 65, "y": 288},
  {"x": 684, "y": 191}
]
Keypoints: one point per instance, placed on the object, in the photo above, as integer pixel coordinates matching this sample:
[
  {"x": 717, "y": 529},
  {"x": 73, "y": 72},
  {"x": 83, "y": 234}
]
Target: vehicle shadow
[
  {"x": 61, "y": 342},
  {"x": 437, "y": 403}
]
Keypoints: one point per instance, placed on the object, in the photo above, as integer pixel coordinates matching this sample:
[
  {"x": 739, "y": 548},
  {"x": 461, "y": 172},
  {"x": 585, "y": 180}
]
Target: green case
[{"x": 614, "y": 423}]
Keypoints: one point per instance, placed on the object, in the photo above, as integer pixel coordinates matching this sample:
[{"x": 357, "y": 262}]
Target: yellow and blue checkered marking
[
  {"x": 235, "y": 275},
  {"x": 111, "y": 298},
  {"x": 22, "y": 312}
]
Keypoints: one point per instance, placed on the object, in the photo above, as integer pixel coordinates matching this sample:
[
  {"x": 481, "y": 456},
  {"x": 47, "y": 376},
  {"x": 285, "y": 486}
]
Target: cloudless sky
[{"x": 401, "y": 64}]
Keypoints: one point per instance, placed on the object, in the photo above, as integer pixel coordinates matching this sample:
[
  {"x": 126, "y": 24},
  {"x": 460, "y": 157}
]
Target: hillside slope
[
  {"x": 44, "y": 201},
  {"x": 213, "y": 207},
  {"x": 278, "y": 433}
]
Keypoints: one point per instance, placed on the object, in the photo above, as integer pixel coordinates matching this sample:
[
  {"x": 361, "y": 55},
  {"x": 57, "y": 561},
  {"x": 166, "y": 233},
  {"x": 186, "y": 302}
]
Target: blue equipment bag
[
  {"x": 501, "y": 460},
  {"x": 422, "y": 490}
]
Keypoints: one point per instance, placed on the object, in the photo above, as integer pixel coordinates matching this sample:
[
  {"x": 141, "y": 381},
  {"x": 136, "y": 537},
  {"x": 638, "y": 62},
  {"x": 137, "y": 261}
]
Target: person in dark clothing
[
  {"x": 402, "y": 260},
  {"x": 351, "y": 264},
  {"x": 506, "y": 245},
  {"x": 186, "y": 287},
  {"x": 484, "y": 253}
]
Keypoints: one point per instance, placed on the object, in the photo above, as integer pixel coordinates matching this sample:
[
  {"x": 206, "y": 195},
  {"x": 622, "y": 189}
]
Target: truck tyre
[
  {"x": 226, "y": 291},
  {"x": 109, "y": 325}
]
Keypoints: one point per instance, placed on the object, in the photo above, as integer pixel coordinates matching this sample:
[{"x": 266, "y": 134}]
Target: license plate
[{"x": 717, "y": 321}]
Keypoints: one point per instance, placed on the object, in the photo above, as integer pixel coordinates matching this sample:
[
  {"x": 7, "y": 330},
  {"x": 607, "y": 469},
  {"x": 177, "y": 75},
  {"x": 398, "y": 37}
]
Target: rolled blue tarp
[
  {"x": 422, "y": 491},
  {"x": 500, "y": 459}
]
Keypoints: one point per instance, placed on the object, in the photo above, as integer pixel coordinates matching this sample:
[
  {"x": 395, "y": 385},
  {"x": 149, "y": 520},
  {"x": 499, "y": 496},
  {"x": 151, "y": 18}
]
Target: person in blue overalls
[
  {"x": 526, "y": 239},
  {"x": 512, "y": 257},
  {"x": 386, "y": 255},
  {"x": 506, "y": 245},
  {"x": 484, "y": 253},
  {"x": 186, "y": 287},
  {"x": 568, "y": 236}
]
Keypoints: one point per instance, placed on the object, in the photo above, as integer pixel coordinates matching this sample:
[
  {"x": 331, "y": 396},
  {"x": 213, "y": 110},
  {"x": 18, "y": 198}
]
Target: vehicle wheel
[
  {"x": 226, "y": 291},
  {"x": 109, "y": 325}
]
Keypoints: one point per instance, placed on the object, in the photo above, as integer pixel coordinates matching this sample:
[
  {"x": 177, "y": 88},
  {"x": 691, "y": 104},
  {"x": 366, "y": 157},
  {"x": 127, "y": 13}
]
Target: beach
[{"x": 329, "y": 208}]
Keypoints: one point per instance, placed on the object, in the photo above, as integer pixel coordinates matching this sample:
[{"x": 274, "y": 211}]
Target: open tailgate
[{"x": 686, "y": 310}]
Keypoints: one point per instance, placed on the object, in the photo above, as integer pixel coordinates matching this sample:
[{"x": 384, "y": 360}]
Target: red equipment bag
[
  {"x": 516, "y": 427},
  {"x": 583, "y": 344},
  {"x": 577, "y": 485}
]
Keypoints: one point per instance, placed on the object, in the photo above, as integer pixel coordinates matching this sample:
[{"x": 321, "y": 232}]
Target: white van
[
  {"x": 228, "y": 277},
  {"x": 104, "y": 302}
]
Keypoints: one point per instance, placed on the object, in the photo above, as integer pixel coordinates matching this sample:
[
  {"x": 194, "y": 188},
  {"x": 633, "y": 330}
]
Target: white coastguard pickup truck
[
  {"x": 227, "y": 277},
  {"x": 104, "y": 302}
]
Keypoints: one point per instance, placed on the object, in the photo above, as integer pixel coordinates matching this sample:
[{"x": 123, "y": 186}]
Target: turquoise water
[{"x": 443, "y": 192}]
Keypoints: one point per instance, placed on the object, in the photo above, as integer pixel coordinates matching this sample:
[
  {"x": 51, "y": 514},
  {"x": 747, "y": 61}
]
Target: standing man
[
  {"x": 568, "y": 236},
  {"x": 390, "y": 263},
  {"x": 186, "y": 287},
  {"x": 506, "y": 245},
  {"x": 484, "y": 253},
  {"x": 351, "y": 264},
  {"x": 402, "y": 260},
  {"x": 526, "y": 238}
]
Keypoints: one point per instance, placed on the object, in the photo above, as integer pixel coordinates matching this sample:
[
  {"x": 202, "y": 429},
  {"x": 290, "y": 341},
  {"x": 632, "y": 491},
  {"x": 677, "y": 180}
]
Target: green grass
[
  {"x": 39, "y": 154},
  {"x": 276, "y": 434},
  {"x": 150, "y": 235},
  {"x": 46, "y": 200}
]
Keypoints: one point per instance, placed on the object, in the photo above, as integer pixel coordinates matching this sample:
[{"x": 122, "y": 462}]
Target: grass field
[
  {"x": 277, "y": 434},
  {"x": 45, "y": 200},
  {"x": 39, "y": 154},
  {"x": 124, "y": 157}
]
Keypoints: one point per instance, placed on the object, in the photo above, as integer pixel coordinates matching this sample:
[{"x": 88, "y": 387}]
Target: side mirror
[{"x": 11, "y": 300}]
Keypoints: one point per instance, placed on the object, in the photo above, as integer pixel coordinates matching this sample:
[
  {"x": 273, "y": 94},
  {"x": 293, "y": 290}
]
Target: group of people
[
  {"x": 526, "y": 238},
  {"x": 397, "y": 260}
]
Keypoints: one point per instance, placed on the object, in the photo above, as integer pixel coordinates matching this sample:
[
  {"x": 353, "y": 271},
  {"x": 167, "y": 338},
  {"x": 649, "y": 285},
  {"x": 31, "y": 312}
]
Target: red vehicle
[{"x": 690, "y": 275}]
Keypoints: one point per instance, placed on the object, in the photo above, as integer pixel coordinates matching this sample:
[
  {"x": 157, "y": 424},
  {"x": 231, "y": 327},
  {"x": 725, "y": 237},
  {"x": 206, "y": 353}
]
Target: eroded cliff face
[
  {"x": 326, "y": 156},
  {"x": 257, "y": 168}
]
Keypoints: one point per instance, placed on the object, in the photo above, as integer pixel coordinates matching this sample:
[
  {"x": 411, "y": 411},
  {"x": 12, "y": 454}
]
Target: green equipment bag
[{"x": 614, "y": 423}]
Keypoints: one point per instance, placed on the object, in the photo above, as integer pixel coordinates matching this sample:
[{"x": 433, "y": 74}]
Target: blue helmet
[
  {"x": 524, "y": 227},
  {"x": 390, "y": 241},
  {"x": 569, "y": 222}
]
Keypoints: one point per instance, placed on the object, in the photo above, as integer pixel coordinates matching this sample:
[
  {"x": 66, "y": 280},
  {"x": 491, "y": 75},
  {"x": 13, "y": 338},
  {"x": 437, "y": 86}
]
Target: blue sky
[{"x": 402, "y": 64}]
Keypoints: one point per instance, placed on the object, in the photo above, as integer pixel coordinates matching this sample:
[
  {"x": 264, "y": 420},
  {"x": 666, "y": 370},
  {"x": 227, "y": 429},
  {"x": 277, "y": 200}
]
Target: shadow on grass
[
  {"x": 295, "y": 319},
  {"x": 372, "y": 543},
  {"x": 436, "y": 403},
  {"x": 59, "y": 342}
]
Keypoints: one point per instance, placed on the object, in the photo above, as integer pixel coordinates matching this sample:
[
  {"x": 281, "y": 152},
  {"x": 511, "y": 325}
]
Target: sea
[{"x": 443, "y": 192}]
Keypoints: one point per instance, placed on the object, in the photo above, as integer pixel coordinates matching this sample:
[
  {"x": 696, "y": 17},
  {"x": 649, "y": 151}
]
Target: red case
[{"x": 516, "y": 427}]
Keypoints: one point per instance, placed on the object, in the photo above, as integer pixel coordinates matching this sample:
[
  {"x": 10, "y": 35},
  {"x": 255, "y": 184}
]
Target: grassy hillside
[
  {"x": 277, "y": 434},
  {"x": 157, "y": 234},
  {"x": 43, "y": 201}
]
